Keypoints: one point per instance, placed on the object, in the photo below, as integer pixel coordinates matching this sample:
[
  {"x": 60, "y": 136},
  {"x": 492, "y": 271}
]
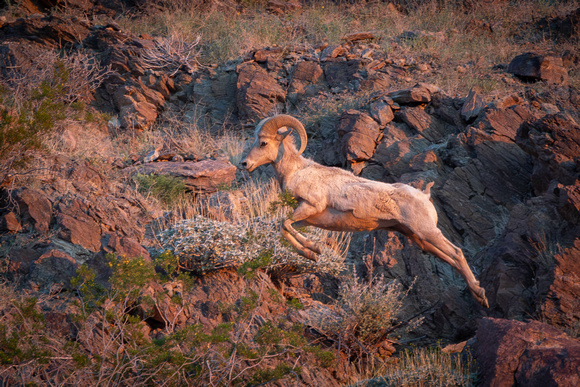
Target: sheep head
[{"x": 269, "y": 134}]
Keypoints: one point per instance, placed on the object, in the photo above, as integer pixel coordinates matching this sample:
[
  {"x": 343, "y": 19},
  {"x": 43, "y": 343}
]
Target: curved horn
[{"x": 272, "y": 125}]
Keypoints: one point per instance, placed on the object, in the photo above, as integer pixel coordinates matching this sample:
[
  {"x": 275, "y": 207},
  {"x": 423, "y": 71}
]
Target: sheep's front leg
[{"x": 304, "y": 246}]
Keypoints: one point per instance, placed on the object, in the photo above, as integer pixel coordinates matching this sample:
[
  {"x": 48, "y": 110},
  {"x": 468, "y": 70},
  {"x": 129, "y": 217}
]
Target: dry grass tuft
[{"x": 424, "y": 367}]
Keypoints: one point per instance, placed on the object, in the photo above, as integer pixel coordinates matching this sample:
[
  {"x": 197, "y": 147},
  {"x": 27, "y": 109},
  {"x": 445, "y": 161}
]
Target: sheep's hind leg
[{"x": 437, "y": 244}]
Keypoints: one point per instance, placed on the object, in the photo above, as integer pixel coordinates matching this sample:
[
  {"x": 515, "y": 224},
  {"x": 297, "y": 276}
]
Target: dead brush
[
  {"x": 360, "y": 321},
  {"x": 75, "y": 76},
  {"x": 172, "y": 54}
]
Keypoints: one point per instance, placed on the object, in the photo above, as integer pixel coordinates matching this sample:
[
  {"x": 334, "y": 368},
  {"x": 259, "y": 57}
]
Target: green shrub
[{"x": 167, "y": 189}]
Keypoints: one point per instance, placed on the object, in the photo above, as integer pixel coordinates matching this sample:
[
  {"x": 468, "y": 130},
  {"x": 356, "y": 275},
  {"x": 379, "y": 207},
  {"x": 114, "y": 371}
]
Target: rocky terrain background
[{"x": 503, "y": 152}]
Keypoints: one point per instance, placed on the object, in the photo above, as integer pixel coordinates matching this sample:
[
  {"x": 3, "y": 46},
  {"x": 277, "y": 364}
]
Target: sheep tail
[{"x": 427, "y": 190}]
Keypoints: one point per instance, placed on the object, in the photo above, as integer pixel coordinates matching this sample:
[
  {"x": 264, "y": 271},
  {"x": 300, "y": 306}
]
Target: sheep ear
[{"x": 282, "y": 133}]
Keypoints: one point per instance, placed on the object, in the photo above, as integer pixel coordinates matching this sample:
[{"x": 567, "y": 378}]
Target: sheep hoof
[
  {"x": 479, "y": 295},
  {"x": 309, "y": 254}
]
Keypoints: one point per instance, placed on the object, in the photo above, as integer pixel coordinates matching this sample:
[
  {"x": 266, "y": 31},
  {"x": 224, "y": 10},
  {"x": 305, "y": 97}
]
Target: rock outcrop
[
  {"x": 526, "y": 354},
  {"x": 202, "y": 176}
]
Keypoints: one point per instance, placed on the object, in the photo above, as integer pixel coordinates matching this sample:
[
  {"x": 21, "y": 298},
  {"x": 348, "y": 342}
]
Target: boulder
[
  {"x": 9, "y": 222},
  {"x": 526, "y": 354},
  {"x": 78, "y": 228},
  {"x": 375, "y": 81},
  {"x": 307, "y": 81},
  {"x": 498, "y": 125},
  {"x": 35, "y": 207},
  {"x": 332, "y": 51},
  {"x": 358, "y": 133},
  {"x": 535, "y": 67},
  {"x": 265, "y": 54},
  {"x": 473, "y": 195},
  {"x": 339, "y": 74},
  {"x": 472, "y": 106},
  {"x": 51, "y": 31},
  {"x": 204, "y": 176},
  {"x": 420, "y": 93},
  {"x": 356, "y": 36},
  {"x": 53, "y": 267},
  {"x": 307, "y": 71},
  {"x": 214, "y": 95},
  {"x": 258, "y": 94},
  {"x": 125, "y": 246},
  {"x": 137, "y": 106},
  {"x": 569, "y": 201},
  {"x": 381, "y": 112},
  {"x": 554, "y": 142},
  {"x": 421, "y": 122}
]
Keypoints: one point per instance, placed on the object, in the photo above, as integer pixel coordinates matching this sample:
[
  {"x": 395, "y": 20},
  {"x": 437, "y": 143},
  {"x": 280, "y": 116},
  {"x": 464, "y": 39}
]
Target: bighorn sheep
[{"x": 335, "y": 199}]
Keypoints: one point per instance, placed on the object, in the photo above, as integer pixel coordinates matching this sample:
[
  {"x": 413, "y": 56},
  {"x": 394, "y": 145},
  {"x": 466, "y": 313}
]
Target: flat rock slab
[
  {"x": 420, "y": 93},
  {"x": 202, "y": 176}
]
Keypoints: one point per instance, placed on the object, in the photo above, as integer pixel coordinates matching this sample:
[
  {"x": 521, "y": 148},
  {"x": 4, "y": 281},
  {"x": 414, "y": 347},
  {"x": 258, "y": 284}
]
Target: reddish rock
[
  {"x": 381, "y": 112},
  {"x": 136, "y": 111},
  {"x": 376, "y": 81},
  {"x": 526, "y": 354},
  {"x": 282, "y": 7},
  {"x": 472, "y": 106},
  {"x": 307, "y": 71},
  {"x": 356, "y": 36},
  {"x": 498, "y": 125},
  {"x": 206, "y": 175},
  {"x": 358, "y": 133},
  {"x": 34, "y": 206},
  {"x": 535, "y": 67},
  {"x": 420, "y": 93},
  {"x": 421, "y": 122},
  {"x": 562, "y": 304},
  {"x": 554, "y": 142},
  {"x": 52, "y": 31},
  {"x": 21, "y": 257},
  {"x": 332, "y": 51},
  {"x": 258, "y": 94},
  {"x": 9, "y": 222},
  {"x": 307, "y": 81},
  {"x": 80, "y": 229},
  {"x": 569, "y": 202},
  {"x": 129, "y": 247},
  {"x": 265, "y": 54}
]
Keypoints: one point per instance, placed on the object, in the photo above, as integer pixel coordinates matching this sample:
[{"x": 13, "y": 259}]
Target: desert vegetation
[{"x": 134, "y": 249}]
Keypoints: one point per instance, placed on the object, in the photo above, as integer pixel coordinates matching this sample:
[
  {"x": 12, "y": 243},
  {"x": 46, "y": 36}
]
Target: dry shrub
[
  {"x": 203, "y": 245},
  {"x": 172, "y": 54},
  {"x": 74, "y": 76},
  {"x": 363, "y": 317}
]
